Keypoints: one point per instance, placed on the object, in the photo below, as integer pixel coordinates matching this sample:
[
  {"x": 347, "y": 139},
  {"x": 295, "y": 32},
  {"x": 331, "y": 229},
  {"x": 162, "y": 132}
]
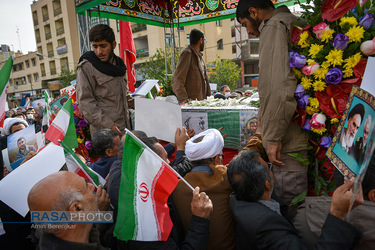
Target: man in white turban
[
  {"x": 13, "y": 125},
  {"x": 203, "y": 150}
]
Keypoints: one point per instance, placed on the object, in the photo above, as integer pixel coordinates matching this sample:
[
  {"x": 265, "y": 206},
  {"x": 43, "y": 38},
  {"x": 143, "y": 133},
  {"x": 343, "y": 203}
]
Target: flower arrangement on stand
[
  {"x": 329, "y": 56},
  {"x": 85, "y": 147}
]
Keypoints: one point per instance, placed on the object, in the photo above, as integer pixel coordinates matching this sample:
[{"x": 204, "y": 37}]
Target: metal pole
[
  {"x": 178, "y": 28},
  {"x": 87, "y": 29},
  {"x": 99, "y": 14},
  {"x": 173, "y": 46},
  {"x": 165, "y": 56}
]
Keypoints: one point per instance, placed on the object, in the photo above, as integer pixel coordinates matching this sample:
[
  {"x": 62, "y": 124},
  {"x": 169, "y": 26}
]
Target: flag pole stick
[{"x": 155, "y": 154}]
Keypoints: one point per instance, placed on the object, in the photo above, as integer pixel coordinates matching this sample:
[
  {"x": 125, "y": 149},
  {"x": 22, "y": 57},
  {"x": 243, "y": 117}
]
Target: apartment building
[
  {"x": 24, "y": 79},
  {"x": 56, "y": 37}
]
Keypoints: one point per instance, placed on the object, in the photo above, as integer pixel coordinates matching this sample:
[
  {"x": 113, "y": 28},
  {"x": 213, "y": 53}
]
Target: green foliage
[
  {"x": 298, "y": 198},
  {"x": 225, "y": 72},
  {"x": 255, "y": 103},
  {"x": 300, "y": 158},
  {"x": 154, "y": 68},
  {"x": 66, "y": 76}
]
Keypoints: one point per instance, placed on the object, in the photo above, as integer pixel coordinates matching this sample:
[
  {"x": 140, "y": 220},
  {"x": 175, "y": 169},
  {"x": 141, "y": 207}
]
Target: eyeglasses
[{"x": 270, "y": 166}]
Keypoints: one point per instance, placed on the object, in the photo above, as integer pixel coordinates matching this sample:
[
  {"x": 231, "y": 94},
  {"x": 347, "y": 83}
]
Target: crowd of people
[{"x": 242, "y": 205}]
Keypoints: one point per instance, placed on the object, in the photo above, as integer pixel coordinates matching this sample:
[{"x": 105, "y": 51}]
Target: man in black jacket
[{"x": 259, "y": 223}]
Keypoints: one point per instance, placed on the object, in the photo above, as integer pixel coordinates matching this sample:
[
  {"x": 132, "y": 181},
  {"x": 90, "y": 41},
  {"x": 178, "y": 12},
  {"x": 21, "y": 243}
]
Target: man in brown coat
[
  {"x": 203, "y": 151},
  {"x": 189, "y": 80},
  {"x": 102, "y": 91},
  {"x": 277, "y": 84}
]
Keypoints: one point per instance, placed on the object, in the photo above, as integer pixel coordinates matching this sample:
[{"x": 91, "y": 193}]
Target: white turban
[
  {"x": 9, "y": 122},
  {"x": 210, "y": 146}
]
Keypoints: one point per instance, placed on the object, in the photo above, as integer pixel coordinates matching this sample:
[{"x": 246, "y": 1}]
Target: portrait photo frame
[
  {"x": 58, "y": 103},
  {"x": 347, "y": 160}
]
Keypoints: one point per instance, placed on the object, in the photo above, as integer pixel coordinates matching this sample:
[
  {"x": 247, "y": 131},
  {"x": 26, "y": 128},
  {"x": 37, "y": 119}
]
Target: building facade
[
  {"x": 57, "y": 41},
  {"x": 24, "y": 79}
]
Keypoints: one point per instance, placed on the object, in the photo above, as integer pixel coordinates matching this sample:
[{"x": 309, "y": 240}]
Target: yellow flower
[
  {"x": 327, "y": 35},
  {"x": 303, "y": 39},
  {"x": 352, "y": 61},
  {"x": 310, "y": 61},
  {"x": 319, "y": 86},
  {"x": 334, "y": 120},
  {"x": 306, "y": 82},
  {"x": 297, "y": 72},
  {"x": 325, "y": 65},
  {"x": 347, "y": 72},
  {"x": 319, "y": 131},
  {"x": 335, "y": 57},
  {"x": 351, "y": 20},
  {"x": 315, "y": 49},
  {"x": 313, "y": 102},
  {"x": 311, "y": 110},
  {"x": 355, "y": 34},
  {"x": 80, "y": 140},
  {"x": 320, "y": 73}
]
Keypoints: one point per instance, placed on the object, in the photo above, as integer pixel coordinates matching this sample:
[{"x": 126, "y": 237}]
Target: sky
[{"x": 15, "y": 13}]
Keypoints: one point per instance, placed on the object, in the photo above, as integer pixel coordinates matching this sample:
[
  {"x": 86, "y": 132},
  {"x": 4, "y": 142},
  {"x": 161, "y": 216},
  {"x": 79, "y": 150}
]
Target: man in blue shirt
[{"x": 105, "y": 142}]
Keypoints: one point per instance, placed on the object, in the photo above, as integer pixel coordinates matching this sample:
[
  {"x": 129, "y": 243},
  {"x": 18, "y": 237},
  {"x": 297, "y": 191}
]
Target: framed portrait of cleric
[
  {"x": 20, "y": 144},
  {"x": 353, "y": 143},
  {"x": 58, "y": 103}
]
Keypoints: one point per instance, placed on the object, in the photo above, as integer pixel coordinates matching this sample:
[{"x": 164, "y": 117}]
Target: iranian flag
[
  {"x": 146, "y": 183},
  {"x": 47, "y": 111},
  {"x": 75, "y": 165},
  {"x": 62, "y": 127},
  {"x": 4, "y": 78}
]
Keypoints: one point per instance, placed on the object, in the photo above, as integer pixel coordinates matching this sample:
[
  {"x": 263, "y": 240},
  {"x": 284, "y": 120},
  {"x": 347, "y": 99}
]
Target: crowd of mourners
[{"x": 233, "y": 206}]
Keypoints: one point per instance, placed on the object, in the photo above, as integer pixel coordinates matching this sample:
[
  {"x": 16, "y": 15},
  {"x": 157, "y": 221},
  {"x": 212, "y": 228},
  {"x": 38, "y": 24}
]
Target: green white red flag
[
  {"x": 4, "y": 78},
  {"x": 75, "y": 165},
  {"x": 146, "y": 183},
  {"x": 47, "y": 119},
  {"x": 62, "y": 127}
]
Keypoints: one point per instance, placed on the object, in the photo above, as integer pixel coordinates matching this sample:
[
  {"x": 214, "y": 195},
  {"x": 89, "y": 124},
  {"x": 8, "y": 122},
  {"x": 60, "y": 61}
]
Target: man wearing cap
[{"x": 203, "y": 150}]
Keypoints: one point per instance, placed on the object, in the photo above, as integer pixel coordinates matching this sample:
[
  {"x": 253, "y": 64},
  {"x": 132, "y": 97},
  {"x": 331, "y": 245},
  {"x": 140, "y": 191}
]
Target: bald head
[{"x": 58, "y": 191}]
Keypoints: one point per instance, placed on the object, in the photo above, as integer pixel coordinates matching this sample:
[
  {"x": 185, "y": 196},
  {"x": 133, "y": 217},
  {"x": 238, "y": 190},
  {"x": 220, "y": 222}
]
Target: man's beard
[
  {"x": 201, "y": 48},
  {"x": 111, "y": 55},
  {"x": 22, "y": 148},
  {"x": 349, "y": 139}
]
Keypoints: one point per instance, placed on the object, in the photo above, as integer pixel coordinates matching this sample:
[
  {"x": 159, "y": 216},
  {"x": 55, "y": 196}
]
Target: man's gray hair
[
  {"x": 66, "y": 198},
  {"x": 368, "y": 120}
]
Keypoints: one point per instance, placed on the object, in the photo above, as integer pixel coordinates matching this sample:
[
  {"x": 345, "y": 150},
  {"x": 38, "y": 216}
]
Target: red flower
[
  {"x": 299, "y": 117},
  {"x": 319, "y": 151},
  {"x": 297, "y": 31},
  {"x": 334, "y": 9},
  {"x": 333, "y": 129},
  {"x": 333, "y": 100},
  {"x": 328, "y": 167},
  {"x": 359, "y": 71}
]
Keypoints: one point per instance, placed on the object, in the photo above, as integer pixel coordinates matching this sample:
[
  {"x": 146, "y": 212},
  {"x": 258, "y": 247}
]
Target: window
[
  {"x": 10, "y": 82},
  {"x": 36, "y": 77},
  {"x": 118, "y": 26},
  {"x": 27, "y": 64},
  {"x": 168, "y": 40},
  {"x": 218, "y": 23},
  {"x": 95, "y": 21},
  {"x": 234, "y": 49},
  {"x": 188, "y": 39},
  {"x": 181, "y": 28},
  {"x": 220, "y": 44},
  {"x": 233, "y": 32},
  {"x": 29, "y": 78},
  {"x": 33, "y": 62}
]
